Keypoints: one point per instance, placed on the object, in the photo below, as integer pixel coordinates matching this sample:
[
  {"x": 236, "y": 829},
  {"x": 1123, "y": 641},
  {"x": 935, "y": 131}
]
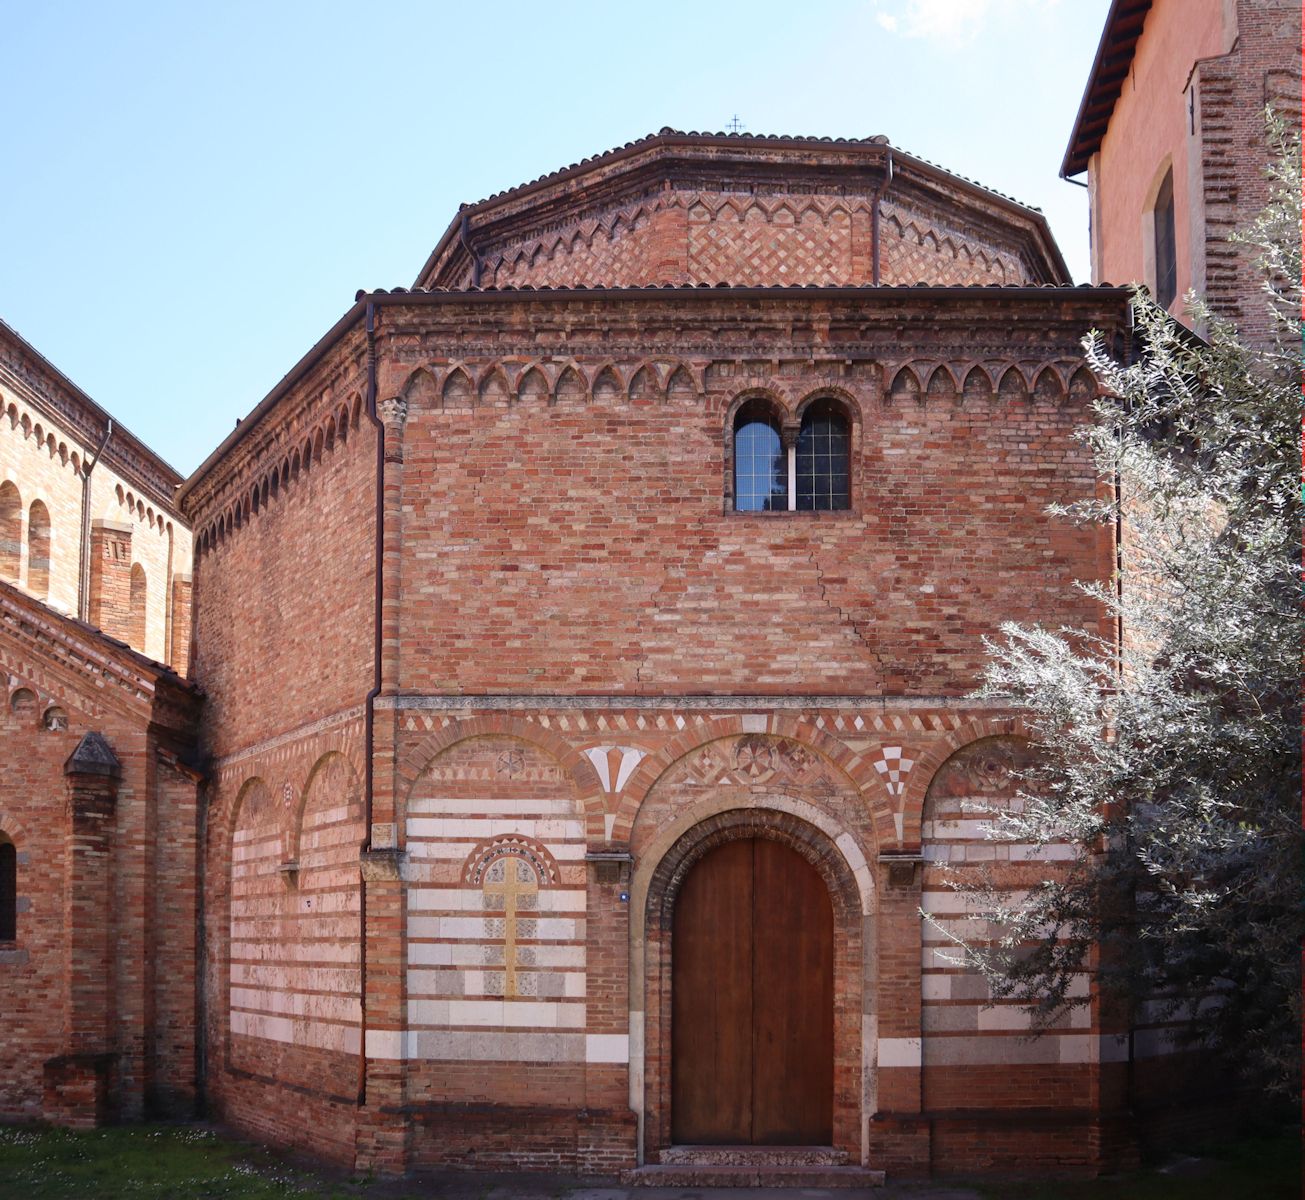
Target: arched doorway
[{"x": 752, "y": 1022}]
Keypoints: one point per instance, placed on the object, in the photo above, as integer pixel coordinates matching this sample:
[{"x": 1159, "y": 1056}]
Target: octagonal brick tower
[{"x": 677, "y": 208}]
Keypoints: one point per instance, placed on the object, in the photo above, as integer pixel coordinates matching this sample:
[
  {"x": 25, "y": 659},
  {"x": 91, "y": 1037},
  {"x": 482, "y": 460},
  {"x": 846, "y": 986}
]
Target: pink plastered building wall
[
  {"x": 1151, "y": 131},
  {"x": 1200, "y": 76}
]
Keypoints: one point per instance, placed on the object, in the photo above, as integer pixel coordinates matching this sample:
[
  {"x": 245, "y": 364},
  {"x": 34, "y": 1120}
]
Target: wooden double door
[{"x": 752, "y": 1008}]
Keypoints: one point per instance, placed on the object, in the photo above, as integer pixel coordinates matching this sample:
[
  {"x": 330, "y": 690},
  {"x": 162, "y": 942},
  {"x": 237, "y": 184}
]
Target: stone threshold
[{"x": 752, "y": 1166}]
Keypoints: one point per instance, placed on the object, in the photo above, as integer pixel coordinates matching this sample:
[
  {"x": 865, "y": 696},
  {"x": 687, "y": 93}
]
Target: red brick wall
[
  {"x": 31, "y": 968},
  {"x": 291, "y": 967},
  {"x": 285, "y": 561},
  {"x": 1202, "y": 74},
  {"x": 1262, "y": 69},
  {"x": 125, "y": 985},
  {"x": 173, "y": 914},
  {"x": 580, "y": 526},
  {"x": 296, "y": 575}
]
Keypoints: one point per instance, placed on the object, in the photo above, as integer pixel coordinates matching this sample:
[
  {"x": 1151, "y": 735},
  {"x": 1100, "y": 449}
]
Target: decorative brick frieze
[
  {"x": 37, "y": 393},
  {"x": 748, "y": 210}
]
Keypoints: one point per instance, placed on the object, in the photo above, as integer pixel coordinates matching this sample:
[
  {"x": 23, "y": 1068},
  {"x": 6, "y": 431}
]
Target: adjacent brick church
[
  {"x": 586, "y": 635},
  {"x": 99, "y": 793}
]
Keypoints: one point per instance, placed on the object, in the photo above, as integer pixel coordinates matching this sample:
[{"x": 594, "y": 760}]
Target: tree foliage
[{"x": 1171, "y": 758}]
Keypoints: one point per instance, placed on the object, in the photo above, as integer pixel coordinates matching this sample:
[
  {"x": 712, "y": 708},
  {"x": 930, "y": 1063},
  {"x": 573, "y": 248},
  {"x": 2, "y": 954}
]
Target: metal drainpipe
[
  {"x": 201, "y": 942},
  {"x": 369, "y": 713},
  {"x": 168, "y": 613},
  {"x": 1119, "y": 528},
  {"x": 83, "y": 552}
]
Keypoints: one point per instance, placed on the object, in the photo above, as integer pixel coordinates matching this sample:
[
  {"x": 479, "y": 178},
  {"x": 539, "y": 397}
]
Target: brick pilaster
[
  {"x": 179, "y": 650},
  {"x": 394, "y": 416},
  {"x": 77, "y": 1081},
  {"x": 899, "y": 1135},
  {"x": 109, "y": 604},
  {"x": 607, "y": 1128},
  {"x": 382, "y": 1141}
]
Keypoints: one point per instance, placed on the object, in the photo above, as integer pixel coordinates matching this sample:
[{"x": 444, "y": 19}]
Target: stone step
[
  {"x": 685, "y": 1176},
  {"x": 753, "y": 1166},
  {"x": 753, "y": 1156}
]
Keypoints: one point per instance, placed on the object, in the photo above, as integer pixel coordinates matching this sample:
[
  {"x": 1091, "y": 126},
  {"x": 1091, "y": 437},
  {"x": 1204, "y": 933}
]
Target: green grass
[
  {"x": 149, "y": 1162},
  {"x": 160, "y": 1162},
  {"x": 1265, "y": 1167}
]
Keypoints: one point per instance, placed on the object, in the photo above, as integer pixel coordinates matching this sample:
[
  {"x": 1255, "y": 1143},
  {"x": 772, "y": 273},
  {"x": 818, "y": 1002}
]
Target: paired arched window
[
  {"x": 823, "y": 454},
  {"x": 811, "y": 475},
  {"x": 8, "y": 890}
]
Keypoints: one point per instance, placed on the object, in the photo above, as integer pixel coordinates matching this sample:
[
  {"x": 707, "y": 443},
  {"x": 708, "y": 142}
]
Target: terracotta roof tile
[{"x": 783, "y": 138}]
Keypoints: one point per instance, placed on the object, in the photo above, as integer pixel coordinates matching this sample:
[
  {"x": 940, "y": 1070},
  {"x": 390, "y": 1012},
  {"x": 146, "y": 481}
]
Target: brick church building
[
  {"x": 575, "y": 715},
  {"x": 587, "y": 635}
]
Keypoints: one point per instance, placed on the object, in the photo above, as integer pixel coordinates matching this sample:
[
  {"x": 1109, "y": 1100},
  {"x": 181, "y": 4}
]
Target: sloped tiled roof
[
  {"x": 1110, "y": 69},
  {"x": 782, "y": 139}
]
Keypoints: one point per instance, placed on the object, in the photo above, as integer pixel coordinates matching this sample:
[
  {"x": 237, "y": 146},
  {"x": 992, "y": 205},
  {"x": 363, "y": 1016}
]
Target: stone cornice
[{"x": 561, "y": 701}]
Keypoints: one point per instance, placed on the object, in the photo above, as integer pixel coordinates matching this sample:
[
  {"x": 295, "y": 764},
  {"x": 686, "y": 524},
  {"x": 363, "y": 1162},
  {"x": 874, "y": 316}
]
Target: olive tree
[{"x": 1169, "y": 755}]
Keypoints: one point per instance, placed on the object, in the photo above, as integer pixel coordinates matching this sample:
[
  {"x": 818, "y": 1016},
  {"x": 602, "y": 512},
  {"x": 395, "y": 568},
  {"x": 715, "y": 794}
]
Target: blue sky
[{"x": 195, "y": 192}]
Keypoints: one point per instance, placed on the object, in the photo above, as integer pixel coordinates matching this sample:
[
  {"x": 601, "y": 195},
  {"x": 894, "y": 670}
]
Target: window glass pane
[
  {"x": 760, "y": 465},
  {"x": 1166, "y": 250},
  {"x": 8, "y": 891},
  {"x": 822, "y": 459}
]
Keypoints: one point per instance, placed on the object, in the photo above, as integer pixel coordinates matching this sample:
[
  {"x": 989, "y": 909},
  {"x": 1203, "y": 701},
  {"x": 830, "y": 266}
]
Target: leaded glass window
[
  {"x": 760, "y": 463},
  {"x": 823, "y": 480}
]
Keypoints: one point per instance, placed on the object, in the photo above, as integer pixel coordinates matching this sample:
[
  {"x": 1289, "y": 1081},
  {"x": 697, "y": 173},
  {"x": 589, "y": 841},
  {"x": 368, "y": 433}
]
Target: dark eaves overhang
[
  {"x": 1110, "y": 69},
  {"x": 681, "y": 292}
]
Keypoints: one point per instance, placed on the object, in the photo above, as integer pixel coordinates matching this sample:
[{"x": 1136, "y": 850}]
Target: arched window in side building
[
  {"x": 1166, "y": 250},
  {"x": 760, "y": 464},
  {"x": 38, "y": 550},
  {"x": 136, "y": 619},
  {"x": 11, "y": 531},
  {"x": 823, "y": 478},
  {"x": 8, "y": 890}
]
